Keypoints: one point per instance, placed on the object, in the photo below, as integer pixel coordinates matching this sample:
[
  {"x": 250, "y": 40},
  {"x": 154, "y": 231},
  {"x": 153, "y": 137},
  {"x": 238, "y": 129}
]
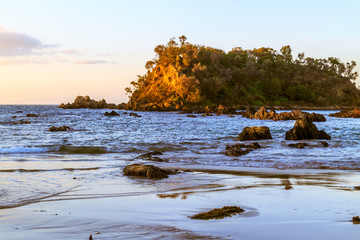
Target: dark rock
[
  {"x": 31, "y": 115},
  {"x": 298, "y": 145},
  {"x": 134, "y": 114},
  {"x": 112, "y": 113},
  {"x": 219, "y": 213},
  {"x": 14, "y": 117},
  {"x": 254, "y": 133},
  {"x": 324, "y": 144},
  {"x": 60, "y": 129},
  {"x": 149, "y": 156},
  {"x": 241, "y": 149},
  {"x": 305, "y": 129},
  {"x": 191, "y": 116},
  {"x": 90, "y": 237},
  {"x": 125, "y": 113},
  {"x": 356, "y": 220},
  {"x": 148, "y": 171},
  {"x": 288, "y": 187}
]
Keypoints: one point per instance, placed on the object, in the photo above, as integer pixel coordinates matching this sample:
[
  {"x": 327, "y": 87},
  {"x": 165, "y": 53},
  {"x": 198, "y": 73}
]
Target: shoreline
[{"x": 319, "y": 206}]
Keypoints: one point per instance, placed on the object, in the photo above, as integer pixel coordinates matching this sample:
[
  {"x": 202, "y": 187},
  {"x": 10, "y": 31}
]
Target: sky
[{"x": 53, "y": 51}]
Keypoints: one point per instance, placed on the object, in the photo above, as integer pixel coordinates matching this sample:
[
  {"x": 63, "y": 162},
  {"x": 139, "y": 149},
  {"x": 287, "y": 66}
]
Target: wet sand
[{"x": 320, "y": 206}]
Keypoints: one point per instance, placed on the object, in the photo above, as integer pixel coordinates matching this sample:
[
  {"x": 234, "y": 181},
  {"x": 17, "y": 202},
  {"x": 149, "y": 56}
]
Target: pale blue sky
[{"x": 88, "y": 42}]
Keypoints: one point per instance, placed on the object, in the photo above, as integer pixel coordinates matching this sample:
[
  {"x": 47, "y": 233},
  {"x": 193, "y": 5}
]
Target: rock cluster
[
  {"x": 254, "y": 133},
  {"x": 355, "y": 113},
  {"x": 305, "y": 129},
  {"x": 241, "y": 149},
  {"x": 263, "y": 114}
]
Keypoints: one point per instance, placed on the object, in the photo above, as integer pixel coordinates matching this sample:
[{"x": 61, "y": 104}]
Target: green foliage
[{"x": 184, "y": 73}]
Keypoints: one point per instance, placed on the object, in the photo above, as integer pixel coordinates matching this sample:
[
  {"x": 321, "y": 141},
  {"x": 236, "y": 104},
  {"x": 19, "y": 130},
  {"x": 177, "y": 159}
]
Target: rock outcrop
[
  {"x": 305, "y": 129},
  {"x": 87, "y": 102},
  {"x": 263, "y": 114},
  {"x": 147, "y": 171},
  {"x": 241, "y": 149},
  {"x": 254, "y": 133},
  {"x": 355, "y": 113}
]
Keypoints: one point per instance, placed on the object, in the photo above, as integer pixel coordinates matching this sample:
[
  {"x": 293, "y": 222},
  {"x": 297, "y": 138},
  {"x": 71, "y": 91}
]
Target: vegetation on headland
[
  {"x": 185, "y": 75},
  {"x": 87, "y": 102}
]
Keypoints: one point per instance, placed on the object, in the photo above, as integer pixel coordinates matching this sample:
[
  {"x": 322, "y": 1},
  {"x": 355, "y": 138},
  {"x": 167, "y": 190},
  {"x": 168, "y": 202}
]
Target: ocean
[{"x": 37, "y": 165}]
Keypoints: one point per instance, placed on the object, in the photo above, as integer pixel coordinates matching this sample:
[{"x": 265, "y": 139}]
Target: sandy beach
[{"x": 320, "y": 206}]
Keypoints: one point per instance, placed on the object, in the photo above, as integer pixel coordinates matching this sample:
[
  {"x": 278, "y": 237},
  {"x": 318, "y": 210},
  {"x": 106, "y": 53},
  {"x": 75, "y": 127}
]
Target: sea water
[{"x": 36, "y": 164}]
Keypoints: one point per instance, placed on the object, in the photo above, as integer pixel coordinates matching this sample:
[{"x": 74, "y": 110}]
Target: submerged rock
[
  {"x": 241, "y": 149},
  {"x": 355, "y": 113},
  {"x": 191, "y": 116},
  {"x": 112, "y": 113},
  {"x": 219, "y": 213},
  {"x": 298, "y": 145},
  {"x": 254, "y": 133},
  {"x": 288, "y": 187},
  {"x": 22, "y": 122},
  {"x": 60, "y": 129},
  {"x": 134, "y": 114},
  {"x": 305, "y": 129},
  {"x": 149, "y": 156},
  {"x": 148, "y": 171},
  {"x": 31, "y": 115}
]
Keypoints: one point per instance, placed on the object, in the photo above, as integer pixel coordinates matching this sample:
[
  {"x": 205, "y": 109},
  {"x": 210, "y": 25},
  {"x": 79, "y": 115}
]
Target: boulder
[
  {"x": 147, "y": 171},
  {"x": 112, "y": 113},
  {"x": 254, "y": 133},
  {"x": 305, "y": 129},
  {"x": 60, "y": 129}
]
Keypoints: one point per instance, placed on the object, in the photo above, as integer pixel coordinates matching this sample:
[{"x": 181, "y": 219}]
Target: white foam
[{"x": 5, "y": 150}]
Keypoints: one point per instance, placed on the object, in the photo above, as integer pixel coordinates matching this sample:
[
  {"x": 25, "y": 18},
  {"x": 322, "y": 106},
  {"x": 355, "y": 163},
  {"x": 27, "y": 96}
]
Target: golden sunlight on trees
[{"x": 184, "y": 74}]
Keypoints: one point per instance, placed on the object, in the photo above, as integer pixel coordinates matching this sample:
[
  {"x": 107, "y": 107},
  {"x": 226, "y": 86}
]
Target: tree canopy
[{"x": 184, "y": 74}]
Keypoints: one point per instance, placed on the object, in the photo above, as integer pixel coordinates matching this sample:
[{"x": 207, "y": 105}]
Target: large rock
[
  {"x": 305, "y": 129},
  {"x": 148, "y": 171},
  {"x": 355, "y": 113},
  {"x": 111, "y": 114},
  {"x": 254, "y": 133}
]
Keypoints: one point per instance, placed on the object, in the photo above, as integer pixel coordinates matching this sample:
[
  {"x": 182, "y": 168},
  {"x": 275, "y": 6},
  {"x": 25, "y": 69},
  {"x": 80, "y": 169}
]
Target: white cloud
[
  {"x": 94, "y": 62},
  {"x": 19, "y": 44}
]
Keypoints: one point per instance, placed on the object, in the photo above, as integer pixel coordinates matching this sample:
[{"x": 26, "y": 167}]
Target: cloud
[
  {"x": 94, "y": 62},
  {"x": 19, "y": 62},
  {"x": 19, "y": 44}
]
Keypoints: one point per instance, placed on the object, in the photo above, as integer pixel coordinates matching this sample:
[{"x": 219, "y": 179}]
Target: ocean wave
[{"x": 8, "y": 150}]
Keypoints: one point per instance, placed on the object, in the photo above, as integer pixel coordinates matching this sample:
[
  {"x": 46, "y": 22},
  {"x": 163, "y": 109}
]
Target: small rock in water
[
  {"x": 112, "y": 113},
  {"x": 134, "y": 114},
  {"x": 60, "y": 129},
  {"x": 254, "y": 133},
  {"x": 218, "y": 213},
  {"x": 148, "y": 171},
  {"x": 31, "y": 115},
  {"x": 288, "y": 187},
  {"x": 90, "y": 237},
  {"x": 356, "y": 220},
  {"x": 191, "y": 116},
  {"x": 241, "y": 149},
  {"x": 298, "y": 145}
]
